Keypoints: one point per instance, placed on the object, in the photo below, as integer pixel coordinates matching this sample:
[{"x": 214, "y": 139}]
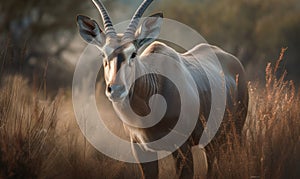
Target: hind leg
[{"x": 184, "y": 161}]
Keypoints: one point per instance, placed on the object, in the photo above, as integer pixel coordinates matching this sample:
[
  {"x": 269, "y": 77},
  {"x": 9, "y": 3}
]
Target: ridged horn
[
  {"x": 130, "y": 31},
  {"x": 108, "y": 26}
]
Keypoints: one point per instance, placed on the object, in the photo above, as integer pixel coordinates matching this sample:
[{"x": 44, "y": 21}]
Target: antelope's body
[
  {"x": 156, "y": 84},
  {"x": 124, "y": 52}
]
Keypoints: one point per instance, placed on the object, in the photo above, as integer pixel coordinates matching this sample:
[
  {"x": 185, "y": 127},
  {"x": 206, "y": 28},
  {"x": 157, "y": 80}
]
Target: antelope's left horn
[{"x": 108, "y": 26}]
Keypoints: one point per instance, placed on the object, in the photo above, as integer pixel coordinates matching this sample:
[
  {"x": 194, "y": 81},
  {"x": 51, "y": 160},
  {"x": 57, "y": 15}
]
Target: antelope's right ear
[{"x": 90, "y": 31}]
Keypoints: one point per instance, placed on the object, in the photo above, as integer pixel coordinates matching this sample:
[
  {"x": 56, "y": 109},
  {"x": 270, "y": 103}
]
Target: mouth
[{"x": 117, "y": 97}]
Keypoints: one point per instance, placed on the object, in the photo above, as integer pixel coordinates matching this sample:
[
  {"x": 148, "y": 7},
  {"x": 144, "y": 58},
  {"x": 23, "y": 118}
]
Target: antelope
[{"x": 130, "y": 50}]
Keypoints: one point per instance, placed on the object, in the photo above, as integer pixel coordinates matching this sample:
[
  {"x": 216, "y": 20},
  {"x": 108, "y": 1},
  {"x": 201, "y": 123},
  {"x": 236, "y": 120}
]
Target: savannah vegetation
[{"x": 39, "y": 136}]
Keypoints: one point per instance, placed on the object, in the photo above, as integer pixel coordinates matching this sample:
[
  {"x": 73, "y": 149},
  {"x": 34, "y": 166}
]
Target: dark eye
[
  {"x": 105, "y": 63},
  {"x": 133, "y": 55}
]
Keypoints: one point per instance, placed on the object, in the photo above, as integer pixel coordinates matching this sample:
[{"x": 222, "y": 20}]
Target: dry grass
[
  {"x": 271, "y": 142},
  {"x": 40, "y": 138},
  {"x": 27, "y": 130}
]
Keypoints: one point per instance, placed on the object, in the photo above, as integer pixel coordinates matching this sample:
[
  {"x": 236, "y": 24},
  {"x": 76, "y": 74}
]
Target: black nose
[
  {"x": 109, "y": 88},
  {"x": 115, "y": 89}
]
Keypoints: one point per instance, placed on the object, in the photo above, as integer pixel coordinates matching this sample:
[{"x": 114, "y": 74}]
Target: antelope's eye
[
  {"x": 133, "y": 55},
  {"x": 105, "y": 63}
]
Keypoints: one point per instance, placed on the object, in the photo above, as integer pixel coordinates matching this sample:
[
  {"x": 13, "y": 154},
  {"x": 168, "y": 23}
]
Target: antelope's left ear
[
  {"x": 149, "y": 30},
  {"x": 90, "y": 31}
]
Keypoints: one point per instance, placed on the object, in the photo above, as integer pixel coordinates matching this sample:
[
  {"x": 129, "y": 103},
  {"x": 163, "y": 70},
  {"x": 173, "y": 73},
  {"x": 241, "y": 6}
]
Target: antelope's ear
[
  {"x": 90, "y": 31},
  {"x": 149, "y": 29}
]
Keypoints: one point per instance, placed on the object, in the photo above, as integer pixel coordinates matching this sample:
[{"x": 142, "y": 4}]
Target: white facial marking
[{"x": 112, "y": 71}]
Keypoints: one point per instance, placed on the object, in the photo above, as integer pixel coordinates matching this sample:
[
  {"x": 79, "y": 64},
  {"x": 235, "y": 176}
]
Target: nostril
[{"x": 109, "y": 88}]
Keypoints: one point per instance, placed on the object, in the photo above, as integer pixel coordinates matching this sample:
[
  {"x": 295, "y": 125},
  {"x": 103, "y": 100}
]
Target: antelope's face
[
  {"x": 119, "y": 69},
  {"x": 119, "y": 51}
]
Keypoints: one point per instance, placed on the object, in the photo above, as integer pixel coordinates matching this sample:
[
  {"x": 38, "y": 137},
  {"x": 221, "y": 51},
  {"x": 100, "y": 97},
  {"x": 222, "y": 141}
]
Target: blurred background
[
  {"x": 39, "y": 48},
  {"x": 41, "y": 37}
]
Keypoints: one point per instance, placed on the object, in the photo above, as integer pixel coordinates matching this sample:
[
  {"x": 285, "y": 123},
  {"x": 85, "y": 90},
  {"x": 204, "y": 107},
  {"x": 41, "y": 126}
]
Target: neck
[
  {"x": 146, "y": 84},
  {"x": 143, "y": 88},
  {"x": 140, "y": 92}
]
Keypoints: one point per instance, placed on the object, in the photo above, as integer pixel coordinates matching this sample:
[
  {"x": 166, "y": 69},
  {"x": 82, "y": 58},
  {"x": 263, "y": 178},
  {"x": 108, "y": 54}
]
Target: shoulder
[
  {"x": 205, "y": 48},
  {"x": 160, "y": 48}
]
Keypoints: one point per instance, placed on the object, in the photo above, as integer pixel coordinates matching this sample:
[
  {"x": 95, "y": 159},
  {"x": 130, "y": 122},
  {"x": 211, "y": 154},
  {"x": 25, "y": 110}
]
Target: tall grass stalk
[
  {"x": 27, "y": 130},
  {"x": 271, "y": 142}
]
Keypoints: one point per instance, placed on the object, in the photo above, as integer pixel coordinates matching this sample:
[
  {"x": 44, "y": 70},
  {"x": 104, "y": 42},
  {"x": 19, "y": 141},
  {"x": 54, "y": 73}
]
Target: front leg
[
  {"x": 148, "y": 169},
  {"x": 184, "y": 161}
]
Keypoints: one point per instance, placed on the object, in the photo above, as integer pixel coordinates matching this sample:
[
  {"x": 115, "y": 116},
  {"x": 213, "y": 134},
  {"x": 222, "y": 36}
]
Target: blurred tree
[
  {"x": 35, "y": 34},
  {"x": 39, "y": 29},
  {"x": 254, "y": 31}
]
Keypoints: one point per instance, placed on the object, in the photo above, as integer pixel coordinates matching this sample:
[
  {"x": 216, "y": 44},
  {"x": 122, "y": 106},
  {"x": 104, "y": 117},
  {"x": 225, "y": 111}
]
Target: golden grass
[
  {"x": 27, "y": 130},
  {"x": 271, "y": 142},
  {"x": 40, "y": 138}
]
